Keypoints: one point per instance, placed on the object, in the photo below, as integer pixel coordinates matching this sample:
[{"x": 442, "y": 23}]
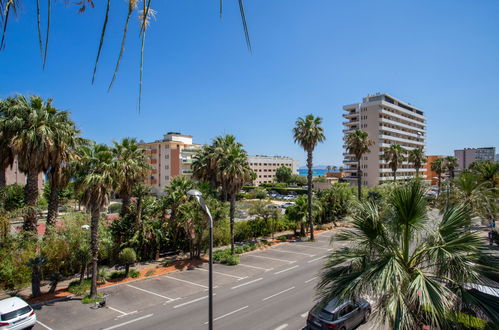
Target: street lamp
[{"x": 197, "y": 194}]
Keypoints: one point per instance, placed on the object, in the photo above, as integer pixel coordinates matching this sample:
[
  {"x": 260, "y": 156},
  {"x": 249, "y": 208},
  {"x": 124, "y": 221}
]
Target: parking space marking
[
  {"x": 153, "y": 293},
  {"x": 317, "y": 247},
  {"x": 310, "y": 280},
  {"x": 300, "y": 253},
  {"x": 192, "y": 301},
  {"x": 316, "y": 259},
  {"x": 256, "y": 267},
  {"x": 128, "y": 322},
  {"x": 285, "y": 270},
  {"x": 284, "y": 326},
  {"x": 288, "y": 261},
  {"x": 178, "y": 279},
  {"x": 240, "y": 285},
  {"x": 229, "y": 275},
  {"x": 230, "y": 313},
  {"x": 278, "y": 293},
  {"x": 43, "y": 325},
  {"x": 117, "y": 310}
]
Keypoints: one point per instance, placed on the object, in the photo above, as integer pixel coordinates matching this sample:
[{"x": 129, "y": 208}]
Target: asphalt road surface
[{"x": 270, "y": 289}]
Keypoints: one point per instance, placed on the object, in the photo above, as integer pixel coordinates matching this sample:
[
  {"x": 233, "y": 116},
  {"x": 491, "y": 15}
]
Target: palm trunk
[
  {"x": 35, "y": 281},
  {"x": 94, "y": 242},
  {"x": 127, "y": 270},
  {"x": 138, "y": 216},
  {"x": 53, "y": 206},
  {"x": 359, "y": 180},
  {"x": 417, "y": 172},
  {"x": 3, "y": 178},
  {"x": 125, "y": 206},
  {"x": 439, "y": 182},
  {"x": 231, "y": 215},
  {"x": 395, "y": 176},
  {"x": 309, "y": 178},
  {"x": 31, "y": 197}
]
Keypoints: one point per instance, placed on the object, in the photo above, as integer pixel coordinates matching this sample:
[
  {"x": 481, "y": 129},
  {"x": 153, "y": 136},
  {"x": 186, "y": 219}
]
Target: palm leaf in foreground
[
  {"x": 101, "y": 42},
  {"x": 416, "y": 272}
]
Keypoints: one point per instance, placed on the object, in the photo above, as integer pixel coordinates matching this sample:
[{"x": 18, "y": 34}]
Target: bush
[
  {"x": 114, "y": 208},
  {"x": 13, "y": 197},
  {"x": 150, "y": 272},
  {"x": 231, "y": 260},
  {"x": 121, "y": 274},
  {"x": 88, "y": 300},
  {"x": 134, "y": 273},
  {"x": 239, "y": 249},
  {"x": 282, "y": 238},
  {"x": 127, "y": 257},
  {"x": 103, "y": 274},
  {"x": 78, "y": 288}
]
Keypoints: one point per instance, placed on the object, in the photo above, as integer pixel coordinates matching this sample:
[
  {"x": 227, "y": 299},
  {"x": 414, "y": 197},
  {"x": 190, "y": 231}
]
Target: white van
[{"x": 15, "y": 313}]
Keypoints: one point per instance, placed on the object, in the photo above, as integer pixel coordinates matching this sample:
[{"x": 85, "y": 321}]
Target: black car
[{"x": 338, "y": 314}]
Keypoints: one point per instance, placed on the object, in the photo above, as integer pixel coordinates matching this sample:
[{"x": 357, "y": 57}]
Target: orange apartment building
[
  {"x": 430, "y": 174},
  {"x": 170, "y": 157}
]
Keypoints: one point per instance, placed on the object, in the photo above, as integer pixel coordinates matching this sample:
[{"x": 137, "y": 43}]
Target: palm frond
[
  {"x": 39, "y": 27},
  {"x": 49, "y": 10},
  {"x": 9, "y": 5},
  {"x": 245, "y": 25},
  {"x": 221, "y": 8},
  {"x": 101, "y": 42}
]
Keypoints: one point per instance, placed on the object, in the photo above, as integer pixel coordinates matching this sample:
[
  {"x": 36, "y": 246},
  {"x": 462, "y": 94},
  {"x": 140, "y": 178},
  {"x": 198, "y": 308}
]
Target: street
[{"x": 269, "y": 289}]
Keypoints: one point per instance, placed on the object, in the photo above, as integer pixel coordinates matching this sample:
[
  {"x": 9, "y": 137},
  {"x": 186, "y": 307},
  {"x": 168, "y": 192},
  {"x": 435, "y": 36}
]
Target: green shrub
[
  {"x": 88, "y": 300},
  {"x": 150, "y": 272},
  {"x": 231, "y": 260},
  {"x": 245, "y": 248},
  {"x": 114, "y": 208},
  {"x": 78, "y": 288},
  {"x": 220, "y": 255},
  {"x": 103, "y": 274},
  {"x": 134, "y": 273},
  {"x": 252, "y": 246},
  {"x": 282, "y": 238},
  {"x": 239, "y": 249},
  {"x": 117, "y": 275},
  {"x": 127, "y": 257},
  {"x": 13, "y": 197}
]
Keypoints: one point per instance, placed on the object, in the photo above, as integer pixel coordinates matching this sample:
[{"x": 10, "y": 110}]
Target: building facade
[
  {"x": 388, "y": 121},
  {"x": 467, "y": 156},
  {"x": 14, "y": 176},
  {"x": 265, "y": 167},
  {"x": 431, "y": 175},
  {"x": 170, "y": 157}
]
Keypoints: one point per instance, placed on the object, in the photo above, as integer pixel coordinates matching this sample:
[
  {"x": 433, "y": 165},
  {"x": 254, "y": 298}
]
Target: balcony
[
  {"x": 400, "y": 139},
  {"x": 396, "y": 115},
  {"x": 399, "y": 124},
  {"x": 405, "y": 111},
  {"x": 401, "y": 132},
  {"x": 187, "y": 172},
  {"x": 187, "y": 161},
  {"x": 186, "y": 150},
  {"x": 350, "y": 115}
]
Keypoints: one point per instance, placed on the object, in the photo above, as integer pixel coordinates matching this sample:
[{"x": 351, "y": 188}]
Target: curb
[{"x": 37, "y": 305}]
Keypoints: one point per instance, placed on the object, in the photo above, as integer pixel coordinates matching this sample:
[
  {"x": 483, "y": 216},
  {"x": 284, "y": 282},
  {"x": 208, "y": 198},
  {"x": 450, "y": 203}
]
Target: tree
[
  {"x": 335, "y": 202},
  {"x": 334, "y": 168},
  {"x": 132, "y": 167},
  {"x": 96, "y": 180},
  {"x": 176, "y": 196},
  {"x": 298, "y": 212},
  {"x": 450, "y": 166},
  {"x": 36, "y": 265},
  {"x": 328, "y": 168},
  {"x": 299, "y": 180},
  {"x": 394, "y": 155},
  {"x": 308, "y": 132},
  {"x": 140, "y": 191},
  {"x": 438, "y": 166},
  {"x": 488, "y": 172},
  {"x": 235, "y": 171},
  {"x": 283, "y": 174},
  {"x": 35, "y": 126},
  {"x": 358, "y": 144},
  {"x": 417, "y": 273},
  {"x": 127, "y": 257},
  {"x": 6, "y": 151},
  {"x": 417, "y": 158}
]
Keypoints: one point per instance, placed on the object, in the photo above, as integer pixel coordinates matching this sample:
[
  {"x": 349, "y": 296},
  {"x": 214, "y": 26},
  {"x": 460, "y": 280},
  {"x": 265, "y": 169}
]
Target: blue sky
[{"x": 308, "y": 57}]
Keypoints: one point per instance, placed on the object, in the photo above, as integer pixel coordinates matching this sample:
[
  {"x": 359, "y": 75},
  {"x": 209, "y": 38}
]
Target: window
[
  {"x": 346, "y": 310},
  {"x": 167, "y": 156},
  {"x": 167, "y": 167}
]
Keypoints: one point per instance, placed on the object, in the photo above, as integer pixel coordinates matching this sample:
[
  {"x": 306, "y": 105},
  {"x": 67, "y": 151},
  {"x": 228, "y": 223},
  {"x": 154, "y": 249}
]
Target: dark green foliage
[
  {"x": 283, "y": 174},
  {"x": 78, "y": 288},
  {"x": 114, "y": 208},
  {"x": 278, "y": 189},
  {"x": 282, "y": 238},
  {"x": 13, "y": 197}
]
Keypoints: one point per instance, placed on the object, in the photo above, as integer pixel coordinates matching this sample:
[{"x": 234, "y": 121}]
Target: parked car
[
  {"x": 338, "y": 314},
  {"x": 287, "y": 204},
  {"x": 15, "y": 314}
]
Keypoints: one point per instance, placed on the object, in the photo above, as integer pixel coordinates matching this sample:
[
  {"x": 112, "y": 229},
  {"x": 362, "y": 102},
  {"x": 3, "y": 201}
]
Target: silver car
[{"x": 338, "y": 314}]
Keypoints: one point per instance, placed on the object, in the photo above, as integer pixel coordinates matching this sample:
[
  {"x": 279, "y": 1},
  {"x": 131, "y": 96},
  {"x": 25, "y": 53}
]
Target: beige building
[
  {"x": 388, "y": 121},
  {"x": 467, "y": 156},
  {"x": 170, "y": 157},
  {"x": 14, "y": 176},
  {"x": 265, "y": 167}
]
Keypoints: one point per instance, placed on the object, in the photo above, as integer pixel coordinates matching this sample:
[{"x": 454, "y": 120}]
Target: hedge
[{"x": 280, "y": 190}]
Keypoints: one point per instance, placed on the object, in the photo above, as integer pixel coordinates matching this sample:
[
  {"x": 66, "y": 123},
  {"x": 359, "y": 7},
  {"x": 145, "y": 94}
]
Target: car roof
[
  {"x": 11, "y": 304},
  {"x": 335, "y": 304}
]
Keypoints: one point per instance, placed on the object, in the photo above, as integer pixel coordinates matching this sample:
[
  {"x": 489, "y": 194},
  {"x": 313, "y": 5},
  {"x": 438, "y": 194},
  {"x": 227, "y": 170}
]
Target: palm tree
[
  {"x": 176, "y": 196},
  {"x": 487, "y": 170},
  {"x": 6, "y": 152},
  {"x": 328, "y": 168},
  {"x": 358, "y": 143},
  {"x": 96, "y": 181},
  {"x": 34, "y": 124},
  {"x": 450, "y": 166},
  {"x": 132, "y": 167},
  {"x": 307, "y": 133},
  {"x": 416, "y": 272},
  {"x": 417, "y": 158},
  {"x": 334, "y": 168},
  {"x": 234, "y": 172},
  {"x": 140, "y": 191},
  {"x": 394, "y": 155},
  {"x": 204, "y": 165},
  {"x": 438, "y": 166}
]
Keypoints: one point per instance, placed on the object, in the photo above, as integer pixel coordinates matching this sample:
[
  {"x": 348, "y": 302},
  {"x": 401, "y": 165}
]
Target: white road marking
[
  {"x": 278, "y": 293},
  {"x": 234, "y": 276},
  {"x": 288, "y": 261},
  {"x": 316, "y": 259},
  {"x": 117, "y": 310},
  {"x": 310, "y": 280},
  {"x": 150, "y": 292},
  {"x": 256, "y": 267},
  {"x": 131, "y": 313},
  {"x": 285, "y": 270},
  {"x": 178, "y": 279},
  {"x": 300, "y": 253},
  {"x": 128, "y": 322},
  {"x": 284, "y": 326},
  {"x": 192, "y": 301},
  {"x": 43, "y": 325},
  {"x": 240, "y": 285},
  {"x": 304, "y": 314},
  {"x": 230, "y": 313},
  {"x": 318, "y": 248}
]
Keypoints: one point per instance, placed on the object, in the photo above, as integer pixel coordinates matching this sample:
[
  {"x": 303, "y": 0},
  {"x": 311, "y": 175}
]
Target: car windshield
[{"x": 18, "y": 312}]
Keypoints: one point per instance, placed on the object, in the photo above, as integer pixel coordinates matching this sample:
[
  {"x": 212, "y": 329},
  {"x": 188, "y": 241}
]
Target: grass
[
  {"x": 150, "y": 272},
  {"x": 226, "y": 257},
  {"x": 120, "y": 274},
  {"x": 282, "y": 238},
  {"x": 88, "y": 300}
]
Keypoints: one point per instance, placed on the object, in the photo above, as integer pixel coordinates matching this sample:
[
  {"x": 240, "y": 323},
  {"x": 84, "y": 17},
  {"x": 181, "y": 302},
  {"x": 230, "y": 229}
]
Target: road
[{"x": 270, "y": 289}]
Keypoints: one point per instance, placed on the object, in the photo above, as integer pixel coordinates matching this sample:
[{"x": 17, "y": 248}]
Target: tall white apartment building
[
  {"x": 265, "y": 167},
  {"x": 388, "y": 121},
  {"x": 170, "y": 157}
]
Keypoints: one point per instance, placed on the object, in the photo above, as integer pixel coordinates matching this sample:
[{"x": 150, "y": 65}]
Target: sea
[{"x": 315, "y": 172}]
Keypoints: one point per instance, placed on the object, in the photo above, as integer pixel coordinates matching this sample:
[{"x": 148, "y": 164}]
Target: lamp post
[{"x": 197, "y": 194}]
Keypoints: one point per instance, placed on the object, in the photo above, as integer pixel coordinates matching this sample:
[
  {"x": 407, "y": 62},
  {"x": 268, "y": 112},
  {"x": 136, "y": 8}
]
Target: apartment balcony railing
[
  {"x": 400, "y": 139},
  {"x": 399, "y": 124},
  {"x": 350, "y": 115},
  {"x": 187, "y": 172},
  {"x": 186, "y": 150},
  {"x": 396, "y": 115},
  {"x": 187, "y": 161}
]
